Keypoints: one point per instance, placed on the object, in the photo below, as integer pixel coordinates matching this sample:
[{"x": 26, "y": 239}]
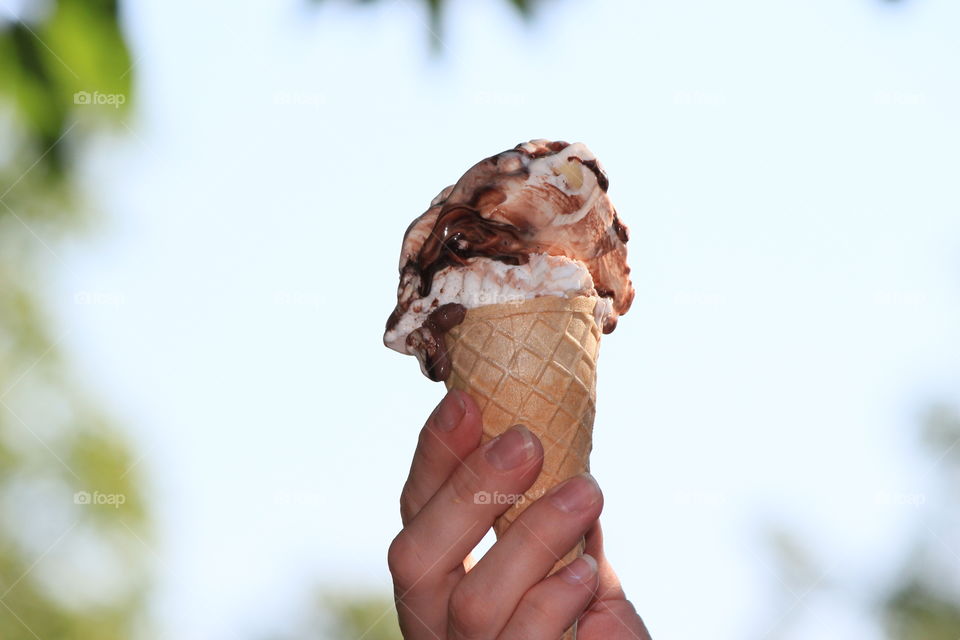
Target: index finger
[{"x": 450, "y": 434}]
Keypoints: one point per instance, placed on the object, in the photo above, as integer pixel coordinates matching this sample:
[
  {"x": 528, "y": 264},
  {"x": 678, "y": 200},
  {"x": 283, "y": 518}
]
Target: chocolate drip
[
  {"x": 621, "y": 229},
  {"x": 394, "y": 318},
  {"x": 602, "y": 180},
  {"x": 462, "y": 233},
  {"x": 429, "y": 339},
  {"x": 610, "y": 322}
]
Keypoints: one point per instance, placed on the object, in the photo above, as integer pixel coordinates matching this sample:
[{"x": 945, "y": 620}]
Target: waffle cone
[{"x": 533, "y": 363}]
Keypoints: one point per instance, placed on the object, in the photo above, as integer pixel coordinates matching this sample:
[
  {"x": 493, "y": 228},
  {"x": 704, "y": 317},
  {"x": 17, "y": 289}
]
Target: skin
[{"x": 506, "y": 595}]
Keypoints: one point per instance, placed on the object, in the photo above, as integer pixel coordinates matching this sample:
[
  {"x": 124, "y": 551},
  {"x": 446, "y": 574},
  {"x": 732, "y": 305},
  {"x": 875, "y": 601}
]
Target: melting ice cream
[{"x": 528, "y": 222}]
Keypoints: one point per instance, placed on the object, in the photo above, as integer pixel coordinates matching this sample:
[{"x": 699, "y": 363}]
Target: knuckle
[
  {"x": 465, "y": 485},
  {"x": 467, "y": 611},
  {"x": 396, "y": 555},
  {"x": 529, "y": 530},
  {"x": 407, "y": 504},
  {"x": 538, "y": 609},
  {"x": 425, "y": 436},
  {"x": 403, "y": 560},
  {"x": 537, "y": 535},
  {"x": 430, "y": 447}
]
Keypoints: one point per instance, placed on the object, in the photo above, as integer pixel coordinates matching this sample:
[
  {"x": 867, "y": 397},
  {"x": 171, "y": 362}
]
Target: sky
[{"x": 788, "y": 173}]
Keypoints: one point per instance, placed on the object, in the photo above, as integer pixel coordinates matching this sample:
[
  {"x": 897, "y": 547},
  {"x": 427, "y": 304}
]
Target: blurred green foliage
[
  {"x": 73, "y": 560},
  {"x": 917, "y": 611},
  {"x": 361, "y": 616},
  {"x": 922, "y": 601},
  {"x": 342, "y": 615},
  {"x": 75, "y": 46}
]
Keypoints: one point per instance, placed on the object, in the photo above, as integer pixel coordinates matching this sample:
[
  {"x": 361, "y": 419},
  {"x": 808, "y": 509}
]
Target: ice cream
[
  {"x": 506, "y": 283},
  {"x": 529, "y": 222}
]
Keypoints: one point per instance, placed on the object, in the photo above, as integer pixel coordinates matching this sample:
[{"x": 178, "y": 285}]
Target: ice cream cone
[
  {"x": 533, "y": 363},
  {"x": 532, "y": 224}
]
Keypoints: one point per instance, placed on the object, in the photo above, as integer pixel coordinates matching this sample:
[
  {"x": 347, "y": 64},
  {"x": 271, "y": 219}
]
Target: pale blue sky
[{"x": 788, "y": 171}]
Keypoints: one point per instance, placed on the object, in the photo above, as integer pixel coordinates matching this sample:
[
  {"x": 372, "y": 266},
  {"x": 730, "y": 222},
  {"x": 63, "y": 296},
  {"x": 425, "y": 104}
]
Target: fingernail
[
  {"x": 449, "y": 412},
  {"x": 576, "y": 494},
  {"x": 510, "y": 449},
  {"x": 580, "y": 570}
]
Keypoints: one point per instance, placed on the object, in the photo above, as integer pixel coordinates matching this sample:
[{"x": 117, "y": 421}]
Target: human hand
[{"x": 507, "y": 594}]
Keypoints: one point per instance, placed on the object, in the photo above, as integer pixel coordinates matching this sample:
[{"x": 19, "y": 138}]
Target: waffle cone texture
[{"x": 533, "y": 363}]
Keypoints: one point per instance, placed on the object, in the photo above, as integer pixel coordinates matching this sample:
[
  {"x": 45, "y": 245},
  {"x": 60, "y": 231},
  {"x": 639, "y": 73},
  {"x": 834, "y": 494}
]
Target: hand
[{"x": 506, "y": 595}]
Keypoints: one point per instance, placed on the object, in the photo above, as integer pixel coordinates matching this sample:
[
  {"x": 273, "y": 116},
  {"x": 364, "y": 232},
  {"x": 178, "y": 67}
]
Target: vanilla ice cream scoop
[{"x": 532, "y": 221}]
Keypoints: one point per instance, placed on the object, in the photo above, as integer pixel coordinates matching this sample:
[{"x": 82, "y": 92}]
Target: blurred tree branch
[{"x": 437, "y": 8}]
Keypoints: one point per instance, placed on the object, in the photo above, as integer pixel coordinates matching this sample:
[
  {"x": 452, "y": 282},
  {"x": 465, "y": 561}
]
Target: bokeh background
[{"x": 201, "y": 207}]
